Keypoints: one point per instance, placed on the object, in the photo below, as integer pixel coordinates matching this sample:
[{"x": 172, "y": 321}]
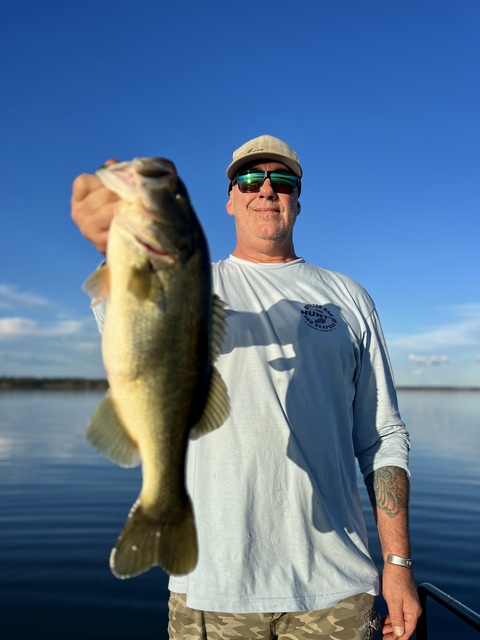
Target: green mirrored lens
[
  {"x": 282, "y": 182},
  {"x": 252, "y": 181}
]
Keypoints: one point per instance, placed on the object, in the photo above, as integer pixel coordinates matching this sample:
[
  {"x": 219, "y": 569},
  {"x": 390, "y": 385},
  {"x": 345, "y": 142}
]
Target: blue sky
[{"x": 380, "y": 99}]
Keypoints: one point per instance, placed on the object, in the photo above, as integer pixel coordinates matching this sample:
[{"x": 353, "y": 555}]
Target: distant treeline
[
  {"x": 51, "y": 384},
  {"x": 84, "y": 384},
  {"x": 434, "y": 388}
]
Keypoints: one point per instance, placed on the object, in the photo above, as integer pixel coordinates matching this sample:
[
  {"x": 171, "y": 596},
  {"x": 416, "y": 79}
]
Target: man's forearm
[{"x": 388, "y": 490}]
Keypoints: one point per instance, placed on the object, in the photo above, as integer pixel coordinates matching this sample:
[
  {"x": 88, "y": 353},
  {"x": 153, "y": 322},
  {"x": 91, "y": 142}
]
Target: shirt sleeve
[{"x": 380, "y": 436}]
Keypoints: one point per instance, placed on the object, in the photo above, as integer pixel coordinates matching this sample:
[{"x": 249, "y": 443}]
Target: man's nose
[{"x": 267, "y": 190}]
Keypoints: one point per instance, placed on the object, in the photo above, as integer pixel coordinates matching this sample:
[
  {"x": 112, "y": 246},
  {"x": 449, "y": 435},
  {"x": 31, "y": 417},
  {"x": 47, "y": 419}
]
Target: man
[{"x": 283, "y": 546}]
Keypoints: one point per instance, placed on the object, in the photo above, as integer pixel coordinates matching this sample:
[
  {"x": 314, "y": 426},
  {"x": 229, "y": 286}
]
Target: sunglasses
[{"x": 251, "y": 181}]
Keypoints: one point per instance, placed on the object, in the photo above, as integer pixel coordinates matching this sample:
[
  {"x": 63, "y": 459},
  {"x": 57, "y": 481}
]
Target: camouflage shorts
[{"x": 351, "y": 619}]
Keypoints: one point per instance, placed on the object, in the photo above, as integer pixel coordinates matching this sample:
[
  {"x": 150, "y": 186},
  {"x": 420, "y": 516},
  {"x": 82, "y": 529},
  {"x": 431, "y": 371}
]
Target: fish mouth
[
  {"x": 151, "y": 249},
  {"x": 154, "y": 167}
]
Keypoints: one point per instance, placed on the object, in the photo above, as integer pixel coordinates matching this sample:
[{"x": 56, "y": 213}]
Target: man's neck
[{"x": 267, "y": 255}]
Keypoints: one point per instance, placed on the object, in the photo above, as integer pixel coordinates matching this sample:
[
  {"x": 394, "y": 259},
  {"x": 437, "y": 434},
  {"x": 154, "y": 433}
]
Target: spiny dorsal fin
[
  {"x": 106, "y": 433},
  {"x": 97, "y": 285}
]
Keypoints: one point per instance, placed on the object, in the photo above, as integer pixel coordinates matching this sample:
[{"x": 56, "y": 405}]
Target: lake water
[{"x": 63, "y": 506}]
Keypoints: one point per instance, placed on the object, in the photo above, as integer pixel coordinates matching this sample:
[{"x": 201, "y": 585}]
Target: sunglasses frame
[{"x": 266, "y": 174}]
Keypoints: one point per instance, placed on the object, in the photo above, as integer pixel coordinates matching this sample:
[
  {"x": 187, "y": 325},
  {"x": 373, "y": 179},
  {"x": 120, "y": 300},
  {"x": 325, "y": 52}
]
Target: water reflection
[
  {"x": 46, "y": 429},
  {"x": 444, "y": 507},
  {"x": 63, "y": 506}
]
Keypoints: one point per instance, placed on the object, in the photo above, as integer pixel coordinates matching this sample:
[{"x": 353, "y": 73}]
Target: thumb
[
  {"x": 397, "y": 622},
  {"x": 398, "y": 626}
]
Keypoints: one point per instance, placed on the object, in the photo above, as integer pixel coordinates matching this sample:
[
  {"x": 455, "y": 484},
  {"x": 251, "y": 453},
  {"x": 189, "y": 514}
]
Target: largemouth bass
[{"x": 163, "y": 331}]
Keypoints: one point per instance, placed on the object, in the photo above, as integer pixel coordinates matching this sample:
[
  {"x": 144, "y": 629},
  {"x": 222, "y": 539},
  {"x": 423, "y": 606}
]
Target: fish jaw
[
  {"x": 142, "y": 180},
  {"x": 154, "y": 207},
  {"x": 140, "y": 175}
]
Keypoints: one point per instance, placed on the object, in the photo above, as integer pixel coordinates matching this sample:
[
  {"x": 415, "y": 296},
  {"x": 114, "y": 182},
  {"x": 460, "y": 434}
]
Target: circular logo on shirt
[{"x": 318, "y": 317}]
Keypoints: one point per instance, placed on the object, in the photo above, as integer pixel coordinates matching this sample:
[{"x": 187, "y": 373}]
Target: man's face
[{"x": 265, "y": 215}]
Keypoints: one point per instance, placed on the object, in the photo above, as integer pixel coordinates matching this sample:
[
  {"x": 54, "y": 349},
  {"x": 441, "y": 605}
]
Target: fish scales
[{"x": 162, "y": 334}]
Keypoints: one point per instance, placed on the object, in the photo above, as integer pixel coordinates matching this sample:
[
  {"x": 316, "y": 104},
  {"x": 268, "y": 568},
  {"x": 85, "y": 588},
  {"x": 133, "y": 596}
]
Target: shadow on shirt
[{"x": 314, "y": 360}]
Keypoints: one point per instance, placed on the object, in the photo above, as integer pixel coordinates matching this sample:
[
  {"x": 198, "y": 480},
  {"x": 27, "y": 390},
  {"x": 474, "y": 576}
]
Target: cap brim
[{"x": 236, "y": 165}]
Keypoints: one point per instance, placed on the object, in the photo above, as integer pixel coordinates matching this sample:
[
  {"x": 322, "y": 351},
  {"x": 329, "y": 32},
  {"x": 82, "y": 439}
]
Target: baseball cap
[{"x": 264, "y": 148}]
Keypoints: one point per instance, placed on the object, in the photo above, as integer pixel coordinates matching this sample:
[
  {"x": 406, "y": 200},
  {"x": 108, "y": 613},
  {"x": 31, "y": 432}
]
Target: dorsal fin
[
  {"x": 217, "y": 407},
  {"x": 219, "y": 326}
]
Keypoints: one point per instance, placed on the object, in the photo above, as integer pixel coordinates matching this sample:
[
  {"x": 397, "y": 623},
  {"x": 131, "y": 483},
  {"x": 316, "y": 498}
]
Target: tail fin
[{"x": 146, "y": 542}]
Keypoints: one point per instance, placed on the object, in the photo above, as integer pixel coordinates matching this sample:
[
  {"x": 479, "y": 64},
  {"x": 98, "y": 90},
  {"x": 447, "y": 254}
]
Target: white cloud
[
  {"x": 15, "y": 327},
  {"x": 11, "y": 298},
  {"x": 18, "y": 327},
  {"x": 88, "y": 346},
  {"x": 461, "y": 334},
  {"x": 444, "y": 354},
  {"x": 428, "y": 360},
  {"x": 47, "y": 340},
  {"x": 54, "y": 352}
]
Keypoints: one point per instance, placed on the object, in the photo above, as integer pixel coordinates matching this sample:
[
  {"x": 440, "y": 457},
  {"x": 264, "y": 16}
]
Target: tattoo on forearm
[{"x": 388, "y": 489}]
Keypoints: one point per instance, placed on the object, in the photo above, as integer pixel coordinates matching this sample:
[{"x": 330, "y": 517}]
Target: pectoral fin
[
  {"x": 106, "y": 433},
  {"x": 97, "y": 285},
  {"x": 140, "y": 281}
]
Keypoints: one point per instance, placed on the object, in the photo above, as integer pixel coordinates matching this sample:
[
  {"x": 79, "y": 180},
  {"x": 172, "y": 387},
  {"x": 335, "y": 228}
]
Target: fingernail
[{"x": 398, "y": 632}]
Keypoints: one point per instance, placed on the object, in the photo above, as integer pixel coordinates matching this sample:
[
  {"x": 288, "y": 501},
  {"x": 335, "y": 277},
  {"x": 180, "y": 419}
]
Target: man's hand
[
  {"x": 92, "y": 208},
  {"x": 388, "y": 488},
  {"x": 402, "y": 601}
]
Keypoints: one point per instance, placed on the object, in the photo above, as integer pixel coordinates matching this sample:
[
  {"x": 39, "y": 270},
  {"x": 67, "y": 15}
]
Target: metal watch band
[{"x": 403, "y": 562}]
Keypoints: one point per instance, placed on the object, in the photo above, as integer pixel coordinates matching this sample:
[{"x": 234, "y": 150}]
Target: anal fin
[{"x": 106, "y": 433}]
